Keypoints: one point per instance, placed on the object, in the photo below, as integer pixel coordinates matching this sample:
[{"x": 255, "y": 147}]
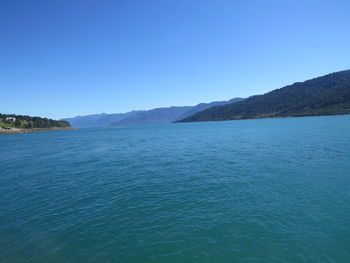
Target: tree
[
  {"x": 18, "y": 123},
  {"x": 28, "y": 125}
]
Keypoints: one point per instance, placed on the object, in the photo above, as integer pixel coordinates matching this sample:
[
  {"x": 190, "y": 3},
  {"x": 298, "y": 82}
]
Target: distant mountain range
[
  {"x": 154, "y": 116},
  {"x": 326, "y": 95}
]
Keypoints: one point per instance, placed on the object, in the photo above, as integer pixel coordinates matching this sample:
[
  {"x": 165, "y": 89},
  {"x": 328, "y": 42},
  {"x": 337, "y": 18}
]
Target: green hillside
[
  {"x": 27, "y": 122},
  {"x": 327, "y": 95}
]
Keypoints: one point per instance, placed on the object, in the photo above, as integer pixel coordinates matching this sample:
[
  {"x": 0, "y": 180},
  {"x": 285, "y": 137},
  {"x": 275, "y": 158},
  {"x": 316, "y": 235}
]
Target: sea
[{"x": 267, "y": 190}]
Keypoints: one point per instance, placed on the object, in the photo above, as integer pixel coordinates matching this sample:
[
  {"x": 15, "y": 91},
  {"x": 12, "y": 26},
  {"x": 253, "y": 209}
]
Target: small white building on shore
[{"x": 10, "y": 119}]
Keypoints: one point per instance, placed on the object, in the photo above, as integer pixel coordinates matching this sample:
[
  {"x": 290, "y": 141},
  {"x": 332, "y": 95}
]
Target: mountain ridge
[{"x": 141, "y": 117}]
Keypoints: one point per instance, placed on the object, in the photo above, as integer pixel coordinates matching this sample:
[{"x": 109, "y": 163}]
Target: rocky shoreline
[{"x": 17, "y": 130}]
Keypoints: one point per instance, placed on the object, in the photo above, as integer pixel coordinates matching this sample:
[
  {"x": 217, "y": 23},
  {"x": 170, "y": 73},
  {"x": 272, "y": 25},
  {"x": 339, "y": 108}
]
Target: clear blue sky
[{"x": 61, "y": 58}]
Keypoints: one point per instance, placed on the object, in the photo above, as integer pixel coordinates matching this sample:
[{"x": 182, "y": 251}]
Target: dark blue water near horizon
[{"x": 271, "y": 190}]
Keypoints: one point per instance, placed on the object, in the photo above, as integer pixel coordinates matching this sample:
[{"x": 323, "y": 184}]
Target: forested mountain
[
  {"x": 27, "y": 122},
  {"x": 154, "y": 116},
  {"x": 326, "y": 95}
]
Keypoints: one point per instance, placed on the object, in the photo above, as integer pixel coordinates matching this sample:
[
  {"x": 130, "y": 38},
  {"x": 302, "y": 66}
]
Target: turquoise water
[{"x": 273, "y": 190}]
